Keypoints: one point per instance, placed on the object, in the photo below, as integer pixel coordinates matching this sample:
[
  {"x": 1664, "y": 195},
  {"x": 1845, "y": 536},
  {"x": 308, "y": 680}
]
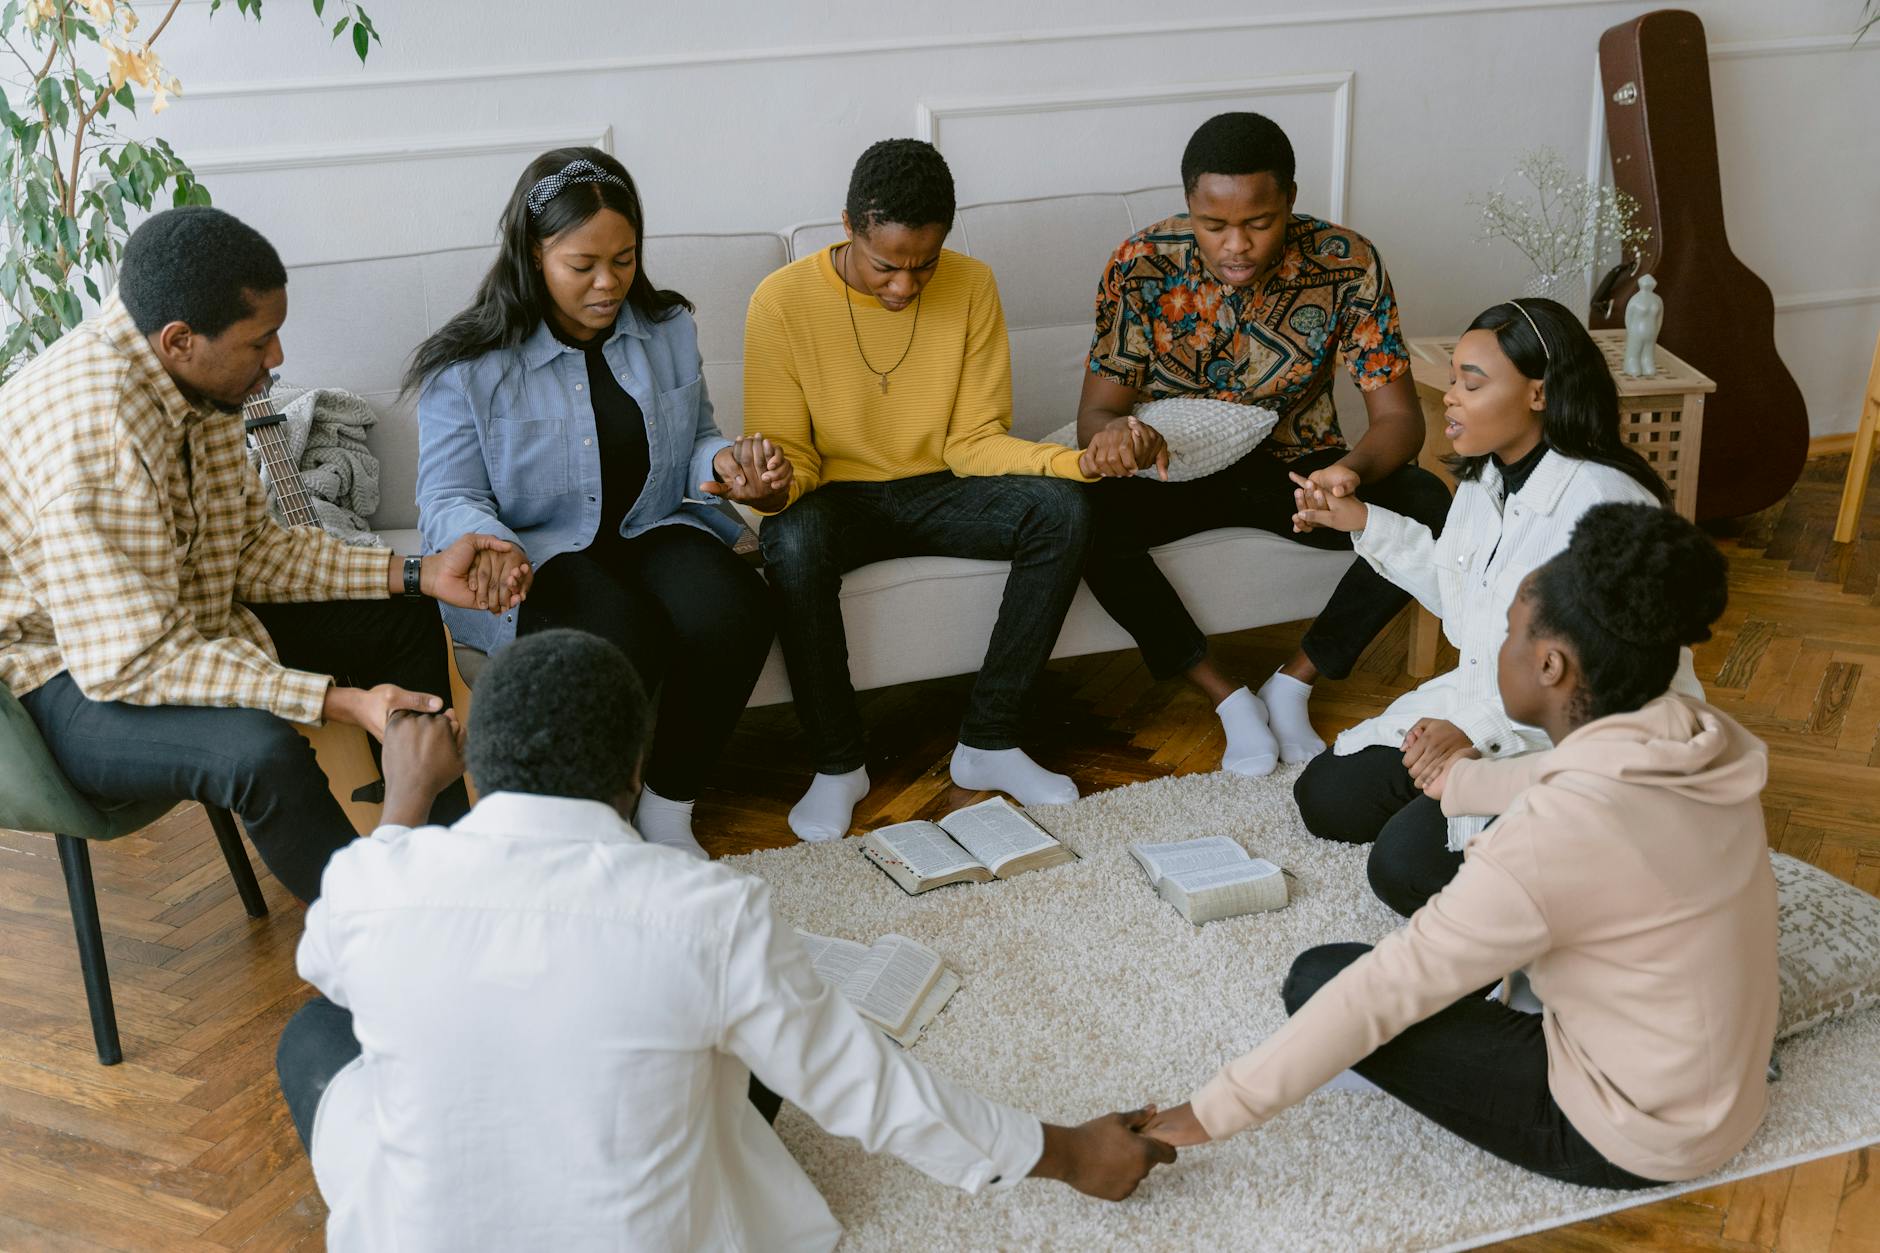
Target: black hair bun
[{"x": 1647, "y": 575}]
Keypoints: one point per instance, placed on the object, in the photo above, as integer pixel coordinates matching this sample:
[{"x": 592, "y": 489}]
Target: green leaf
[
  {"x": 339, "y": 27},
  {"x": 362, "y": 42},
  {"x": 319, "y": 8},
  {"x": 198, "y": 194},
  {"x": 91, "y": 288},
  {"x": 126, "y": 98},
  {"x": 71, "y": 313}
]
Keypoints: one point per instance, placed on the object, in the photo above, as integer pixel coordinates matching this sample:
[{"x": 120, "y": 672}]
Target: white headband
[{"x": 1537, "y": 330}]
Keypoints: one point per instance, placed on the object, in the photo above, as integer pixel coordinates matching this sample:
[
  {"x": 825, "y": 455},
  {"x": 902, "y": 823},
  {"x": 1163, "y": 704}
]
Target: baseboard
[{"x": 1831, "y": 445}]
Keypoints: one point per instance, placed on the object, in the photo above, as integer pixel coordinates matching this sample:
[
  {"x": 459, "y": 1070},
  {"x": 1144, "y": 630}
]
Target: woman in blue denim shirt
[{"x": 564, "y": 410}]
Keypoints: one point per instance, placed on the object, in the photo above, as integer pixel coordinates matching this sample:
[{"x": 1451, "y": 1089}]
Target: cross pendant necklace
[{"x": 848, "y": 294}]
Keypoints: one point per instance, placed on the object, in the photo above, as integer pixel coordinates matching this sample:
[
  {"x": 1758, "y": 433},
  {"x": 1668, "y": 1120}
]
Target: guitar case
[{"x": 1719, "y": 315}]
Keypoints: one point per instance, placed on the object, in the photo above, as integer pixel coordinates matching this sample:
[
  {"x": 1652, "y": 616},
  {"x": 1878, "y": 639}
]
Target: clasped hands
[
  {"x": 752, "y": 471},
  {"x": 1126, "y": 445}
]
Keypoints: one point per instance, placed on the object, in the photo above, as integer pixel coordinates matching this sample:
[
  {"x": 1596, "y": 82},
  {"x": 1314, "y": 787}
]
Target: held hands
[
  {"x": 371, "y": 707},
  {"x": 502, "y": 573},
  {"x": 754, "y": 472},
  {"x": 1126, "y": 445},
  {"x": 1432, "y": 745},
  {"x": 498, "y": 580},
  {"x": 423, "y": 756},
  {"x": 1328, "y": 498},
  {"x": 1177, "y": 1127},
  {"x": 1105, "y": 1157}
]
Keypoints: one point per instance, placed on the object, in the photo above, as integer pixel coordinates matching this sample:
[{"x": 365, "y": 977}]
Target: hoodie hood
[{"x": 1685, "y": 746}]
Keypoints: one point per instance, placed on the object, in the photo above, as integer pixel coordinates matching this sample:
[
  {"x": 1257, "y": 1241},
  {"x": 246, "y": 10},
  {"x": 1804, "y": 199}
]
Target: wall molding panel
[
  {"x": 930, "y": 117},
  {"x": 318, "y": 156}
]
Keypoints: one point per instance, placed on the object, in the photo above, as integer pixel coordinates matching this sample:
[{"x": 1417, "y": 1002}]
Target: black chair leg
[
  {"x": 237, "y": 857},
  {"x": 75, "y": 860}
]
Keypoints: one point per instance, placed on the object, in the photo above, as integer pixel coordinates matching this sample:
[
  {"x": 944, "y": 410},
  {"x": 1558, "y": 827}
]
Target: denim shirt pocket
[
  {"x": 528, "y": 457},
  {"x": 678, "y": 419}
]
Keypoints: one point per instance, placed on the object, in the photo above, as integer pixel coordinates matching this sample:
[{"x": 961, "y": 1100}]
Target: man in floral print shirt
[{"x": 1242, "y": 300}]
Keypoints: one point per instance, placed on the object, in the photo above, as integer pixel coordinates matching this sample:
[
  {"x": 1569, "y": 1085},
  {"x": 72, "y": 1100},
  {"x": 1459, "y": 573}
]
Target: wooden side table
[{"x": 1661, "y": 416}]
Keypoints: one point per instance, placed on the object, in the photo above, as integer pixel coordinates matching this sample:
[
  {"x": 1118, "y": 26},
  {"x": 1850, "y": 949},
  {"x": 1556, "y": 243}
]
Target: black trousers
[
  {"x": 1478, "y": 1069},
  {"x": 1041, "y": 525},
  {"x": 248, "y": 760},
  {"x": 318, "y": 1043},
  {"x": 1133, "y": 515},
  {"x": 692, "y": 618},
  {"x": 1368, "y": 798}
]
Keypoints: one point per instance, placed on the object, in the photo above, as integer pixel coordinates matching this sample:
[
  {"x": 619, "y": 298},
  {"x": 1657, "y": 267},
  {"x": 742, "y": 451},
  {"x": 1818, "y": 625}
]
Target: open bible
[
  {"x": 1210, "y": 878},
  {"x": 895, "y": 983},
  {"x": 990, "y": 840}
]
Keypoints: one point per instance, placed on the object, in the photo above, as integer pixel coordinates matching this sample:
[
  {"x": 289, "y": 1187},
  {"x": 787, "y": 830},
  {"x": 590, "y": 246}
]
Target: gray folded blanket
[{"x": 325, "y": 429}]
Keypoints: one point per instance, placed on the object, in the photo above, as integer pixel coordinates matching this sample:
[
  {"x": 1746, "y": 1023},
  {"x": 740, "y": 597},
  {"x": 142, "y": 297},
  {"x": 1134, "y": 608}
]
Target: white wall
[{"x": 740, "y": 114}]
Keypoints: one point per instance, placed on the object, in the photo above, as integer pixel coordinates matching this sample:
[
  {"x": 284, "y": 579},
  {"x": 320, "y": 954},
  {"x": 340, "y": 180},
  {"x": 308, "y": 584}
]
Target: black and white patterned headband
[
  {"x": 579, "y": 170},
  {"x": 1546, "y": 354}
]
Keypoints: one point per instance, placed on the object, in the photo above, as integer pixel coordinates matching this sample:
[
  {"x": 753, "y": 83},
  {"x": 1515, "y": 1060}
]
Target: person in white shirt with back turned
[{"x": 539, "y": 1031}]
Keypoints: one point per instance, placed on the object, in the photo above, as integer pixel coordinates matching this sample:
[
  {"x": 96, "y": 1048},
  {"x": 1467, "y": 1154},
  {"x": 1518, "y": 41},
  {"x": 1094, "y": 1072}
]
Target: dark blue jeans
[
  {"x": 1478, "y": 1069},
  {"x": 1134, "y": 515},
  {"x": 1041, "y": 525},
  {"x": 248, "y": 760}
]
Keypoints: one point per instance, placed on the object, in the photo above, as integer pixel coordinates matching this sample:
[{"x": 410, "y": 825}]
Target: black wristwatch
[{"x": 414, "y": 570}]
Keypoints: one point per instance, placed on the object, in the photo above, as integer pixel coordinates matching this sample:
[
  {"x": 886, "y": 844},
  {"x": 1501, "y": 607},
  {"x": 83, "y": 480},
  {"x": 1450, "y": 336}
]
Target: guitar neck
[{"x": 279, "y": 473}]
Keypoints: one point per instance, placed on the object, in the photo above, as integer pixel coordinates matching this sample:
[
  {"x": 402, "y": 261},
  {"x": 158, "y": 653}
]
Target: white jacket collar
[{"x": 525, "y": 814}]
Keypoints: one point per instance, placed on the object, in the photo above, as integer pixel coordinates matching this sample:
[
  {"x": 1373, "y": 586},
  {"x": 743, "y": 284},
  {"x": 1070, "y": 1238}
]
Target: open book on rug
[
  {"x": 1212, "y": 877},
  {"x": 991, "y": 840},
  {"x": 895, "y": 983}
]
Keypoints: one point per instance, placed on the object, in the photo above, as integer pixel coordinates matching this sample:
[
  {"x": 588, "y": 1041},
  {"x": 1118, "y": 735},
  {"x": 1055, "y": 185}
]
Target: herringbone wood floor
[{"x": 186, "y": 1145}]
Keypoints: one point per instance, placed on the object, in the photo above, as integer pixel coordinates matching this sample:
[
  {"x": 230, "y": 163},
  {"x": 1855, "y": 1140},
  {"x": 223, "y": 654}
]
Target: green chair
[{"x": 36, "y": 796}]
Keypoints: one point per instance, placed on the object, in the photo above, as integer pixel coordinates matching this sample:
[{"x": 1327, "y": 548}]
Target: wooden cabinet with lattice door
[{"x": 1661, "y": 416}]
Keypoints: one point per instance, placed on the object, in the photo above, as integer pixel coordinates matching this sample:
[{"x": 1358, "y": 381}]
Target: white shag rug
[{"x": 1084, "y": 992}]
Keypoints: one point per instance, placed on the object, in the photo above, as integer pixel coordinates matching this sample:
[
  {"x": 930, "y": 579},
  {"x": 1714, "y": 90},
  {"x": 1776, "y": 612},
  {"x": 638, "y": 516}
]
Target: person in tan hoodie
[{"x": 1628, "y": 874}]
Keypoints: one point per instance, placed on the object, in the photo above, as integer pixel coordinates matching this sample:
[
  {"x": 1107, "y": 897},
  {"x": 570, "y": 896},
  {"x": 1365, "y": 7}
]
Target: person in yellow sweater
[
  {"x": 1628, "y": 874},
  {"x": 880, "y": 368}
]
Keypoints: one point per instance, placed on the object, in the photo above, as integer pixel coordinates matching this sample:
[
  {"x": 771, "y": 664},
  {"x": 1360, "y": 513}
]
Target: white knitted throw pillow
[{"x": 1204, "y": 436}]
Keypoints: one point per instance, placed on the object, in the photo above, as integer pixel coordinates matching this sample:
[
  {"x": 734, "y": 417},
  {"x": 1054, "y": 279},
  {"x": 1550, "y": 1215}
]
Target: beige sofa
[{"x": 910, "y": 618}]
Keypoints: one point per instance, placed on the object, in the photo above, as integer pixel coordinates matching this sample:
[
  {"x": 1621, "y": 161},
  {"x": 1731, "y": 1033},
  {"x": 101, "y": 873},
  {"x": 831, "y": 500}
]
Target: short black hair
[
  {"x": 558, "y": 713},
  {"x": 1237, "y": 143},
  {"x": 197, "y": 266},
  {"x": 904, "y": 181},
  {"x": 1635, "y": 584}
]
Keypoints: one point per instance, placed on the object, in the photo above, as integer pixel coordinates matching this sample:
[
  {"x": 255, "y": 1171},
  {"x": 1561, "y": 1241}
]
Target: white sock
[
  {"x": 1251, "y": 748},
  {"x": 667, "y": 822},
  {"x": 828, "y": 808},
  {"x": 1010, "y": 771},
  {"x": 1285, "y": 698}
]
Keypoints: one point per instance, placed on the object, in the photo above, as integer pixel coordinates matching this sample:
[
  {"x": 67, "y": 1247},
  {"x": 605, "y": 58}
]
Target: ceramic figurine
[{"x": 1644, "y": 315}]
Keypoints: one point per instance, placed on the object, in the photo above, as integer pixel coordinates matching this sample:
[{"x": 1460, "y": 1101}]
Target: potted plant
[
  {"x": 1560, "y": 224},
  {"x": 71, "y": 177}
]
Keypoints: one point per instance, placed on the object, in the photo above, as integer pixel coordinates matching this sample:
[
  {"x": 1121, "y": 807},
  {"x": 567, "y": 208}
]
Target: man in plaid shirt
[{"x": 160, "y": 628}]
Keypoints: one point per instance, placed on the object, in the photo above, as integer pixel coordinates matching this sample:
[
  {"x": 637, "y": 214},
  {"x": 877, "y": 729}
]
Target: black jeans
[
  {"x": 318, "y": 1043},
  {"x": 1134, "y": 515},
  {"x": 691, "y": 617},
  {"x": 1041, "y": 525},
  {"x": 1368, "y": 797},
  {"x": 1478, "y": 1069},
  {"x": 248, "y": 760}
]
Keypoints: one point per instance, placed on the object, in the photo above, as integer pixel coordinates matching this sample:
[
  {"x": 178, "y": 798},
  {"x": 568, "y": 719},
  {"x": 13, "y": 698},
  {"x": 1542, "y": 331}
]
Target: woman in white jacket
[{"x": 1533, "y": 416}]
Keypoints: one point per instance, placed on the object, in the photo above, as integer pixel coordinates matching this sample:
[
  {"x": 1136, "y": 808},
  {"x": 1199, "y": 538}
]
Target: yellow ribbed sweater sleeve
[{"x": 949, "y": 402}]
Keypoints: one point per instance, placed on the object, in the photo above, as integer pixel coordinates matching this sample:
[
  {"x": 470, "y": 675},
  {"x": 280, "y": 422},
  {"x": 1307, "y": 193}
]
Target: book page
[
  {"x": 1163, "y": 861},
  {"x": 892, "y": 979},
  {"x": 835, "y": 960},
  {"x": 1227, "y": 891},
  {"x": 924, "y": 848},
  {"x": 995, "y": 832},
  {"x": 929, "y": 1008},
  {"x": 1204, "y": 877}
]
